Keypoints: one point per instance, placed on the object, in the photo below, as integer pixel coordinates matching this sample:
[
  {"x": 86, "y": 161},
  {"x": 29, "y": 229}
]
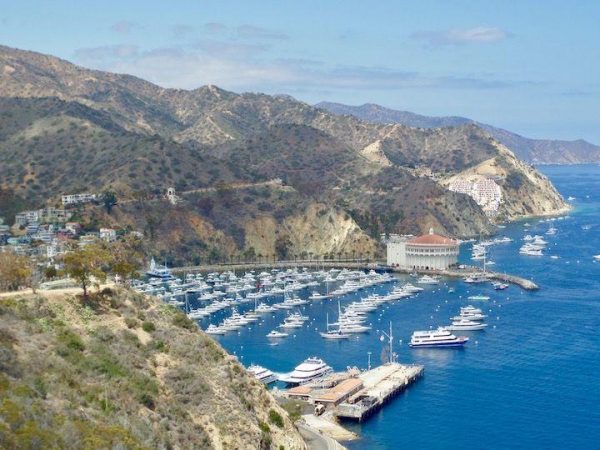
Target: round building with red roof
[{"x": 427, "y": 252}]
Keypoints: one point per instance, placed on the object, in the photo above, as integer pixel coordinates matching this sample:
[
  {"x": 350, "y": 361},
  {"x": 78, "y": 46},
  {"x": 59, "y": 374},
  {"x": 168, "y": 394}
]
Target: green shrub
[
  {"x": 264, "y": 427},
  {"x": 275, "y": 418},
  {"x": 148, "y": 327}
]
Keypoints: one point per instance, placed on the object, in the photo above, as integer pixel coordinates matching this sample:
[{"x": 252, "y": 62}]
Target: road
[{"x": 316, "y": 441}]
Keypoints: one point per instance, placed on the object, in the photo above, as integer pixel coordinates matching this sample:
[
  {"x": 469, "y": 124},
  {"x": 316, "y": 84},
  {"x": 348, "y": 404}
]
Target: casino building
[{"x": 428, "y": 252}]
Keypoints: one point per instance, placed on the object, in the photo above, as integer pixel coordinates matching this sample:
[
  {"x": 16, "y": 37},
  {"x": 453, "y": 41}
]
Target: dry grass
[{"x": 124, "y": 372}]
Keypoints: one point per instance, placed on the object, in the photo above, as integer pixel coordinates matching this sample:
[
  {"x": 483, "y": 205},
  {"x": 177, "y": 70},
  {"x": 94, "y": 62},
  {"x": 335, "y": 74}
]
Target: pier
[
  {"x": 380, "y": 385},
  {"x": 353, "y": 394}
]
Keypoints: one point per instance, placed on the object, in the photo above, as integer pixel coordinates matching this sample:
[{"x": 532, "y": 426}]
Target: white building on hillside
[
  {"x": 485, "y": 191},
  {"x": 74, "y": 199}
]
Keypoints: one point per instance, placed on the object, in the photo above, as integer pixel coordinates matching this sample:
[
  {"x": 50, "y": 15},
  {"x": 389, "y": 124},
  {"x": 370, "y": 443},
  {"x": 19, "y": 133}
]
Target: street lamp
[{"x": 391, "y": 339}]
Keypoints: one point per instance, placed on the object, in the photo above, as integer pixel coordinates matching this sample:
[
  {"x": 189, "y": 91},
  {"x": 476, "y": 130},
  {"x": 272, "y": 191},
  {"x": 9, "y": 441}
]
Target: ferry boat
[
  {"x": 436, "y": 338},
  {"x": 262, "y": 374},
  {"x": 159, "y": 272},
  {"x": 309, "y": 370}
]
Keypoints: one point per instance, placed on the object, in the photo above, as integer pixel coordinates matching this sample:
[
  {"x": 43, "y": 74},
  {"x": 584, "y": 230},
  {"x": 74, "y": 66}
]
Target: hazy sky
[{"x": 529, "y": 66}]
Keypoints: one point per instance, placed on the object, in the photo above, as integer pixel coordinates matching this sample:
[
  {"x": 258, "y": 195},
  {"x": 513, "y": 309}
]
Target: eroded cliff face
[{"x": 317, "y": 230}]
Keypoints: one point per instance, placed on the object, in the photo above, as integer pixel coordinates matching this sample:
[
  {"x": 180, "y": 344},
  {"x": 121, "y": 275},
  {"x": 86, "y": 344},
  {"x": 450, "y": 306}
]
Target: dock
[
  {"x": 380, "y": 385},
  {"x": 354, "y": 394}
]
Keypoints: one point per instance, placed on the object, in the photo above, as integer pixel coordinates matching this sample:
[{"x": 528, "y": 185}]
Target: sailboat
[{"x": 334, "y": 334}]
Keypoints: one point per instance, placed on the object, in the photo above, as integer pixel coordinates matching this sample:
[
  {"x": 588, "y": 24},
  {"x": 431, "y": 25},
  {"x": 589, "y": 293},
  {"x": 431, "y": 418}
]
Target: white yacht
[
  {"x": 263, "y": 308},
  {"x": 262, "y": 374},
  {"x": 213, "y": 329},
  {"x": 318, "y": 296},
  {"x": 469, "y": 316},
  {"x": 470, "y": 310},
  {"x": 159, "y": 272},
  {"x": 277, "y": 334},
  {"x": 465, "y": 325},
  {"x": 426, "y": 279},
  {"x": 436, "y": 338},
  {"x": 334, "y": 334},
  {"x": 311, "y": 369},
  {"x": 597, "y": 257},
  {"x": 481, "y": 298}
]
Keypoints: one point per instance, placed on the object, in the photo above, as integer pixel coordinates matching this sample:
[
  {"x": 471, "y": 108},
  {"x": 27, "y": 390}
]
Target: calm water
[{"x": 529, "y": 381}]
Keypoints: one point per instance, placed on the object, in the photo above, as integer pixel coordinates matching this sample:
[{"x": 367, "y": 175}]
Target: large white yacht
[
  {"x": 261, "y": 374},
  {"x": 159, "y": 272},
  {"x": 311, "y": 369},
  {"x": 436, "y": 338}
]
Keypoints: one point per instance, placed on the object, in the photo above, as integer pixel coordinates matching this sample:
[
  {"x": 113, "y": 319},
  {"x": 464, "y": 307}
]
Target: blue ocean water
[{"x": 531, "y": 380}]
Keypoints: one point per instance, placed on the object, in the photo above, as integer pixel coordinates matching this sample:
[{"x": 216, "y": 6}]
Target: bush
[
  {"x": 148, "y": 327},
  {"x": 131, "y": 322},
  {"x": 181, "y": 320},
  {"x": 275, "y": 418}
]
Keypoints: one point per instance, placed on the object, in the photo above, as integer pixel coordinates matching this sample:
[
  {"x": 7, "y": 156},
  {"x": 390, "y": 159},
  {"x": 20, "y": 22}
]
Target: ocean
[{"x": 530, "y": 380}]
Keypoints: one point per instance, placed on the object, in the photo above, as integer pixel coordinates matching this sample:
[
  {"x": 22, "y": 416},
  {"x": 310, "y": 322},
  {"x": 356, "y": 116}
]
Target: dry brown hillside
[{"x": 125, "y": 372}]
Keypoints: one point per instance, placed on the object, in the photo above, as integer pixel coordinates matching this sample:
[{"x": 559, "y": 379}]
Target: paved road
[{"x": 316, "y": 441}]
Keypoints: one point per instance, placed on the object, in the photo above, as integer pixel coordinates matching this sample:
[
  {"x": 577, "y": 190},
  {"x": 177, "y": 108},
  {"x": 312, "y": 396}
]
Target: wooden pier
[{"x": 380, "y": 385}]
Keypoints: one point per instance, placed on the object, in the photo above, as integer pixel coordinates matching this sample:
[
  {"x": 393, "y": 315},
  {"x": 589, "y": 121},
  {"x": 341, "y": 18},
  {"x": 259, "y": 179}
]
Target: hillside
[
  {"x": 537, "y": 151},
  {"x": 67, "y": 129},
  {"x": 129, "y": 373}
]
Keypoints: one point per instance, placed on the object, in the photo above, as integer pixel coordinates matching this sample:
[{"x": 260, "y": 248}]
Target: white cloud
[
  {"x": 124, "y": 27},
  {"x": 458, "y": 36},
  {"x": 247, "y": 67}
]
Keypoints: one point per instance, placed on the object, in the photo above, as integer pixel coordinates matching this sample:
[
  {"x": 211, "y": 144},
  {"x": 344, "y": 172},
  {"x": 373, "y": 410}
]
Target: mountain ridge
[
  {"x": 537, "y": 151},
  {"x": 67, "y": 129}
]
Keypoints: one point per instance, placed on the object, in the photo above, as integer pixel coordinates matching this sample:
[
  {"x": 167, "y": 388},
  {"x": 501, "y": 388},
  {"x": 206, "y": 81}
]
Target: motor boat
[
  {"x": 318, "y": 296},
  {"x": 277, "y": 334},
  {"x": 482, "y": 298},
  {"x": 465, "y": 325},
  {"x": 262, "y": 374},
  {"x": 426, "y": 279},
  {"x": 213, "y": 329}
]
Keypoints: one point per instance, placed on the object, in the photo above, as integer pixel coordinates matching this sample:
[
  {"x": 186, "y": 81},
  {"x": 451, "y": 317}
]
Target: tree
[
  {"x": 15, "y": 271},
  {"x": 85, "y": 265},
  {"x": 109, "y": 199},
  {"x": 126, "y": 257}
]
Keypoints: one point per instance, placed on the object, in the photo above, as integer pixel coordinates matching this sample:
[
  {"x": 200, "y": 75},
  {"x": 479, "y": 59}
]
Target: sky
[{"x": 532, "y": 67}]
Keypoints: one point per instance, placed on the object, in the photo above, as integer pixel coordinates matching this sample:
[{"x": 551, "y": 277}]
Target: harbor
[{"x": 310, "y": 329}]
